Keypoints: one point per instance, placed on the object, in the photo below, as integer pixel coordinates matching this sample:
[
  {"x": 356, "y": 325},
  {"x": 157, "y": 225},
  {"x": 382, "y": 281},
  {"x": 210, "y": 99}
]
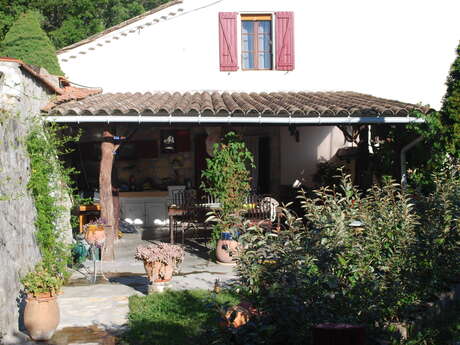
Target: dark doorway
[{"x": 200, "y": 159}]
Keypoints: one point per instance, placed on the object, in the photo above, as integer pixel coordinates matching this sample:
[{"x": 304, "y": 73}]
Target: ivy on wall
[{"x": 48, "y": 182}]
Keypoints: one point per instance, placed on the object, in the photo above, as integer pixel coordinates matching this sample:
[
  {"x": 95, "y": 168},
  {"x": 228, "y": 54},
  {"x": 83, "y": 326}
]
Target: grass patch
[{"x": 174, "y": 317}]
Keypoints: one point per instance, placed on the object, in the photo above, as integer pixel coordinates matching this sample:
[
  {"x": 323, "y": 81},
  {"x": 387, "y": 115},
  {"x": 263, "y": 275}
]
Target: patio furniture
[{"x": 188, "y": 214}]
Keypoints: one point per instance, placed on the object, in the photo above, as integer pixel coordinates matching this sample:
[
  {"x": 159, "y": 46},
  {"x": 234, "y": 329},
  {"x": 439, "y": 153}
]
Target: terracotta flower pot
[
  {"x": 95, "y": 235},
  {"x": 227, "y": 251},
  {"x": 159, "y": 272},
  {"x": 41, "y": 316}
]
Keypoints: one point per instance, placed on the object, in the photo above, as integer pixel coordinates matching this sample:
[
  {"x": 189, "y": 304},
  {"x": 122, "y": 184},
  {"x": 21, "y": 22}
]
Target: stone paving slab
[{"x": 103, "y": 307}]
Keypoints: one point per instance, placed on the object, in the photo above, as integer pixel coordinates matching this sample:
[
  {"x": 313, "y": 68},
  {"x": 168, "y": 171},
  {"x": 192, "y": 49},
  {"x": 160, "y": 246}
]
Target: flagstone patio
[{"x": 89, "y": 312}]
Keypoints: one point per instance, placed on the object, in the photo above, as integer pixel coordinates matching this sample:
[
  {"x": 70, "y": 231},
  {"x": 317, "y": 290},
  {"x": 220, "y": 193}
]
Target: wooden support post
[
  {"x": 116, "y": 212},
  {"x": 105, "y": 192}
]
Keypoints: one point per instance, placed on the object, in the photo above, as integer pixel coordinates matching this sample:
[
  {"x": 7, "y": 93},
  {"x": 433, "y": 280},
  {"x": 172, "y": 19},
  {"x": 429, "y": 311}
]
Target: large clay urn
[
  {"x": 41, "y": 316},
  {"x": 227, "y": 249}
]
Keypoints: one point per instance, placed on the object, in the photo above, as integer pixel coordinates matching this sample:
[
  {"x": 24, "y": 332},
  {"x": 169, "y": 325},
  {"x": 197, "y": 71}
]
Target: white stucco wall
[
  {"x": 299, "y": 159},
  {"x": 395, "y": 49}
]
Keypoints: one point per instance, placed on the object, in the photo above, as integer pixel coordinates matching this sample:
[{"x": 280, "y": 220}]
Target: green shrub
[
  {"x": 376, "y": 259},
  {"x": 28, "y": 42}
]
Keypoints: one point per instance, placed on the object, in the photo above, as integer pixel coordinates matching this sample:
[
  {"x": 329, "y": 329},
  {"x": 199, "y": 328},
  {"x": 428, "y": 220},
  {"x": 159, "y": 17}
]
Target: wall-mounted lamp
[{"x": 293, "y": 131}]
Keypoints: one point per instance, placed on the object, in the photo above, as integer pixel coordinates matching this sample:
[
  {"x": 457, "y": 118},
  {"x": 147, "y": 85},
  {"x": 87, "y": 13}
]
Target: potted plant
[
  {"x": 41, "y": 314},
  {"x": 94, "y": 232},
  {"x": 160, "y": 260},
  {"x": 227, "y": 179}
]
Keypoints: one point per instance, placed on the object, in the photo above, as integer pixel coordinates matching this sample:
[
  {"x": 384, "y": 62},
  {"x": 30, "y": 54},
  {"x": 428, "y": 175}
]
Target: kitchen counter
[
  {"x": 147, "y": 208},
  {"x": 145, "y": 194}
]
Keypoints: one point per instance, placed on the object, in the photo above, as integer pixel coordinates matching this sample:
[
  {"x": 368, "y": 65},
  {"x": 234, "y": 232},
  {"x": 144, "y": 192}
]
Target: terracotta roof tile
[{"x": 306, "y": 104}]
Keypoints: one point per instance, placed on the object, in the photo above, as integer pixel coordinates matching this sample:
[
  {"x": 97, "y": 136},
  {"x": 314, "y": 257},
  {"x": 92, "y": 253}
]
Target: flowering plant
[
  {"x": 96, "y": 222},
  {"x": 160, "y": 252},
  {"x": 95, "y": 233}
]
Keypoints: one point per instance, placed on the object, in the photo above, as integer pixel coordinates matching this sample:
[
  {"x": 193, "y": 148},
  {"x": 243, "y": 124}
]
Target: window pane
[
  {"x": 248, "y": 60},
  {"x": 245, "y": 43},
  {"x": 245, "y": 61},
  {"x": 265, "y": 27},
  {"x": 264, "y": 43},
  {"x": 247, "y": 27},
  {"x": 251, "y": 43},
  {"x": 265, "y": 61}
]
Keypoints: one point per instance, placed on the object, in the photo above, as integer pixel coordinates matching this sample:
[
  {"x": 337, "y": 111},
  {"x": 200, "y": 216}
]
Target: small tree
[
  {"x": 27, "y": 41},
  {"x": 227, "y": 179},
  {"x": 450, "y": 111},
  {"x": 441, "y": 129}
]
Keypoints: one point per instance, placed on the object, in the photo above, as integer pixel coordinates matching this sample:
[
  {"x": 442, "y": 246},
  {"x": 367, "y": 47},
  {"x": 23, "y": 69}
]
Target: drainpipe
[{"x": 403, "y": 160}]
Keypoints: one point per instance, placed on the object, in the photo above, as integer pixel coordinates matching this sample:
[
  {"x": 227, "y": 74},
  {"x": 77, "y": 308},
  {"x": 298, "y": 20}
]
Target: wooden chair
[{"x": 191, "y": 220}]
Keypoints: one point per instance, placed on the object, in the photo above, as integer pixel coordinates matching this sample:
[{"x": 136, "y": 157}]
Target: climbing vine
[{"x": 48, "y": 183}]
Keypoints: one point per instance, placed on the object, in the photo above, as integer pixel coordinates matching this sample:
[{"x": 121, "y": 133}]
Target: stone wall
[{"x": 21, "y": 97}]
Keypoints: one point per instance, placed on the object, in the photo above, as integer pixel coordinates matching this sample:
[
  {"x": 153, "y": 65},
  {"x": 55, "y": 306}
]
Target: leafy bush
[{"x": 376, "y": 259}]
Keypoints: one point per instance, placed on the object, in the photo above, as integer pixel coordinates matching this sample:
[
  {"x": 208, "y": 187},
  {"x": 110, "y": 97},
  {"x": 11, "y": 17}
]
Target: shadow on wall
[
  {"x": 300, "y": 158},
  {"x": 327, "y": 171}
]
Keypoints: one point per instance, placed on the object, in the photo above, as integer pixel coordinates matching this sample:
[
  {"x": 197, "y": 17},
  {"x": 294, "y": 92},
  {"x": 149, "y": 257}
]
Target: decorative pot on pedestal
[
  {"x": 160, "y": 261},
  {"x": 227, "y": 249},
  {"x": 159, "y": 272},
  {"x": 41, "y": 316},
  {"x": 95, "y": 234}
]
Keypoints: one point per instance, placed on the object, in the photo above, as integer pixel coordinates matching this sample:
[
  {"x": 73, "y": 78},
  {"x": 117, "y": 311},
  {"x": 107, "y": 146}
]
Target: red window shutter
[
  {"x": 284, "y": 40},
  {"x": 228, "y": 41}
]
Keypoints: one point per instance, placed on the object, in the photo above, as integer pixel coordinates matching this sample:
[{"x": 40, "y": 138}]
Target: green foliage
[
  {"x": 42, "y": 280},
  {"x": 227, "y": 179},
  {"x": 375, "y": 259},
  {"x": 44, "y": 145},
  {"x": 441, "y": 131},
  {"x": 67, "y": 22},
  {"x": 442, "y": 328},
  {"x": 327, "y": 174},
  {"x": 28, "y": 42},
  {"x": 450, "y": 111},
  {"x": 174, "y": 317}
]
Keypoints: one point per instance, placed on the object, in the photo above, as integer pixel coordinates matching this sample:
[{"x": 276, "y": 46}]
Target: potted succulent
[
  {"x": 227, "y": 179},
  {"x": 41, "y": 314},
  {"x": 160, "y": 260}
]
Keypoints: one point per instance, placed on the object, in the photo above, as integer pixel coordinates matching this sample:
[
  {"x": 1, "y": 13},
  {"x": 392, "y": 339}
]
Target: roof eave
[
  {"x": 118, "y": 27},
  {"x": 258, "y": 120}
]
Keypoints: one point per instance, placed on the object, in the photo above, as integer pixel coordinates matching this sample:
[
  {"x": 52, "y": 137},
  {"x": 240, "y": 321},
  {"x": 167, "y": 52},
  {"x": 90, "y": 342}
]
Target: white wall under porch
[{"x": 316, "y": 144}]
